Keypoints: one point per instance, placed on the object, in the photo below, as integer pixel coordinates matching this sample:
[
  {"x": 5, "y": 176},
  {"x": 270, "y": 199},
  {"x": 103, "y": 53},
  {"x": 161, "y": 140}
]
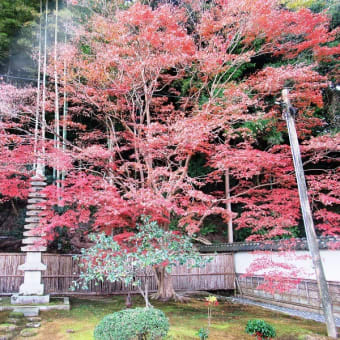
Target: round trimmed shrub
[
  {"x": 260, "y": 329},
  {"x": 138, "y": 323}
]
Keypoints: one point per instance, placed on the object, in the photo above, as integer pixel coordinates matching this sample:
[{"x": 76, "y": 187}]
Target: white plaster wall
[{"x": 300, "y": 259}]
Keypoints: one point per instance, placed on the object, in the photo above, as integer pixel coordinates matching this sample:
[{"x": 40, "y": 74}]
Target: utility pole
[{"x": 307, "y": 216}]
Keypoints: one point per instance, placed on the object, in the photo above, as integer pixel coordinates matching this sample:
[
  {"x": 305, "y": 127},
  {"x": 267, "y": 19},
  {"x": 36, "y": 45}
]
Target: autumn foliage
[{"x": 151, "y": 88}]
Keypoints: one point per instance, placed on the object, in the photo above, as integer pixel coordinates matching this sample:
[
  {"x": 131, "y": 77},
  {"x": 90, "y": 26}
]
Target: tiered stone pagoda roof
[{"x": 32, "y": 239}]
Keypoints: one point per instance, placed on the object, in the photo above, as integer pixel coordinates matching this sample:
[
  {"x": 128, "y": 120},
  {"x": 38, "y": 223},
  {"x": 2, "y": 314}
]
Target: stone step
[
  {"x": 28, "y": 332},
  {"x": 31, "y": 240},
  {"x": 33, "y": 233},
  {"x": 7, "y": 328},
  {"x": 35, "y": 200},
  {"x": 27, "y": 310},
  {"x": 33, "y": 248},
  {"x": 34, "y": 319},
  {"x": 13, "y": 321},
  {"x": 33, "y": 324}
]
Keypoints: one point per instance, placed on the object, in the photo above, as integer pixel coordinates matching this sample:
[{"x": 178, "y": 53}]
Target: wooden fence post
[{"x": 307, "y": 217}]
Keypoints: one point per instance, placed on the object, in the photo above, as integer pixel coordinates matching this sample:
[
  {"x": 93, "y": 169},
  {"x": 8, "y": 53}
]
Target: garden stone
[
  {"x": 27, "y": 310},
  {"x": 28, "y": 332},
  {"x": 34, "y": 319},
  {"x": 315, "y": 337},
  {"x": 14, "y": 321},
  {"x": 16, "y": 315},
  {"x": 6, "y": 327},
  {"x": 6, "y": 337},
  {"x": 70, "y": 331},
  {"x": 33, "y": 324}
]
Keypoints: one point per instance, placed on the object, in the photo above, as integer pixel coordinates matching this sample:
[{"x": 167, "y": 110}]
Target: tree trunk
[
  {"x": 165, "y": 290},
  {"x": 145, "y": 293}
]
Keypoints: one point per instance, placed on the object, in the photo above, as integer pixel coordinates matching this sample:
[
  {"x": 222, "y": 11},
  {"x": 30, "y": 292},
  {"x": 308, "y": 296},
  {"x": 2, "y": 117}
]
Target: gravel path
[{"x": 294, "y": 312}]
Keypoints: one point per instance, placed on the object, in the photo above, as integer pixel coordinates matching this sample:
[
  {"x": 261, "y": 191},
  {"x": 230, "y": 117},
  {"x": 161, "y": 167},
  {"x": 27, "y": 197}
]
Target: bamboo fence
[{"x": 62, "y": 270}]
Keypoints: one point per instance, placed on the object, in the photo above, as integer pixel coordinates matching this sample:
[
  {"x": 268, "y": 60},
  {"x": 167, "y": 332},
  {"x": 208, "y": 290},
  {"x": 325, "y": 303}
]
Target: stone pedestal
[
  {"x": 32, "y": 290},
  {"x": 32, "y": 278},
  {"x": 17, "y": 299}
]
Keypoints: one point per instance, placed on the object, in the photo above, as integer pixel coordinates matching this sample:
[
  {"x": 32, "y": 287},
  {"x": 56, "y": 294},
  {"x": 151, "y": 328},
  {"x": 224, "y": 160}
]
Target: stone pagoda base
[
  {"x": 32, "y": 278},
  {"x": 17, "y": 299},
  {"x": 34, "y": 307}
]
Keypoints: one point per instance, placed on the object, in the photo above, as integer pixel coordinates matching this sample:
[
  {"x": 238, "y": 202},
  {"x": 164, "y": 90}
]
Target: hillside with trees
[{"x": 173, "y": 110}]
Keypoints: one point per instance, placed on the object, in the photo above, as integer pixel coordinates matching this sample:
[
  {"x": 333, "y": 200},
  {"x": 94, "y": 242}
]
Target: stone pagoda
[{"x": 32, "y": 290}]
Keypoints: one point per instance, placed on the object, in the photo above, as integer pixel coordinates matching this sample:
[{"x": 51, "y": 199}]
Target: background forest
[{"x": 168, "y": 109}]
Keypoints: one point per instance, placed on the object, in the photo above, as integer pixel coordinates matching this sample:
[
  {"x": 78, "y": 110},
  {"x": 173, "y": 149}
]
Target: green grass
[
  {"x": 5, "y": 301},
  {"x": 228, "y": 321}
]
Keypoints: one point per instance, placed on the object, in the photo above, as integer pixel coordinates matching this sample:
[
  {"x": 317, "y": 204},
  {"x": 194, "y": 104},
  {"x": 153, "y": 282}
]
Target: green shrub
[
  {"x": 203, "y": 333},
  {"x": 138, "y": 323},
  {"x": 261, "y": 329}
]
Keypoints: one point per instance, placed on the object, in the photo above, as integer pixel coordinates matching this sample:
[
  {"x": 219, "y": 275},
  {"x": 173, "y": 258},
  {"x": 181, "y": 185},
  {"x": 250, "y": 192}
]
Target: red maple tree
[{"x": 150, "y": 88}]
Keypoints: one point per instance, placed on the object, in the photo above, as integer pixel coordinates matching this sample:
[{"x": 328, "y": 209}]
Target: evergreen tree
[{"x": 15, "y": 16}]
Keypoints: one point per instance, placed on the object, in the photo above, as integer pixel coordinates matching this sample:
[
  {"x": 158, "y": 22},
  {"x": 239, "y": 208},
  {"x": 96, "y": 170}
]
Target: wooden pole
[
  {"x": 228, "y": 206},
  {"x": 307, "y": 218}
]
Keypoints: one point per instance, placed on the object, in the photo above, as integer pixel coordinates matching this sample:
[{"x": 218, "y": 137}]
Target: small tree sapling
[{"x": 129, "y": 257}]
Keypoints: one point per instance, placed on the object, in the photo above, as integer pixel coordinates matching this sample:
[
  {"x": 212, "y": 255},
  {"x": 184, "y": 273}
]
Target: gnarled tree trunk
[{"x": 165, "y": 290}]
